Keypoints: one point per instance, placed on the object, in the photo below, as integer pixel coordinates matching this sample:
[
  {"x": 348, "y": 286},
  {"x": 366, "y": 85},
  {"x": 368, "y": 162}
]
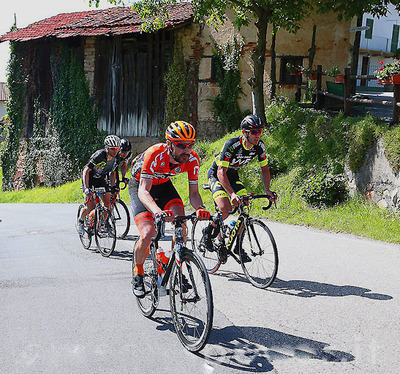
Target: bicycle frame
[
  {"x": 177, "y": 250},
  {"x": 242, "y": 219}
]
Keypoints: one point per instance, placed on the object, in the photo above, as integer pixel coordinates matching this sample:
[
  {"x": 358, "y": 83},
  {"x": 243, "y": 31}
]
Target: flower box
[
  {"x": 396, "y": 78},
  {"x": 385, "y": 81},
  {"x": 339, "y": 78}
]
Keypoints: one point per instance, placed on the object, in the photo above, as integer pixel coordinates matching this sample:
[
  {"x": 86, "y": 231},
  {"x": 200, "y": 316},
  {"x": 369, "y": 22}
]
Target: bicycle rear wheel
[
  {"x": 210, "y": 259},
  {"x": 122, "y": 218},
  {"x": 148, "y": 304},
  {"x": 105, "y": 231},
  {"x": 86, "y": 239},
  {"x": 257, "y": 242},
  {"x": 191, "y": 302}
]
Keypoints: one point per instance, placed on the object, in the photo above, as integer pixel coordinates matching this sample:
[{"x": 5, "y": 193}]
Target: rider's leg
[{"x": 145, "y": 224}]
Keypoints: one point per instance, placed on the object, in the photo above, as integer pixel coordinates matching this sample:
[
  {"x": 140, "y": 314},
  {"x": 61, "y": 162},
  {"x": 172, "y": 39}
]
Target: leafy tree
[{"x": 285, "y": 14}]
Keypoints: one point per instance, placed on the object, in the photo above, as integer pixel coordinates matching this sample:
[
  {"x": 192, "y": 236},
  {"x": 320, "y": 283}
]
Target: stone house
[{"x": 125, "y": 67}]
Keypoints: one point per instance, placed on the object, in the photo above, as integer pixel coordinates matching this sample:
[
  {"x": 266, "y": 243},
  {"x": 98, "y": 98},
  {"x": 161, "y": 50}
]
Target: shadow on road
[
  {"x": 303, "y": 288},
  {"x": 252, "y": 349}
]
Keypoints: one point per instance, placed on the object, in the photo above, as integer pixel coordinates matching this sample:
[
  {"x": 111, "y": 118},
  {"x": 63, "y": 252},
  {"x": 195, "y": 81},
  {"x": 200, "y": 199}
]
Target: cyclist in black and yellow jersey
[{"x": 223, "y": 175}]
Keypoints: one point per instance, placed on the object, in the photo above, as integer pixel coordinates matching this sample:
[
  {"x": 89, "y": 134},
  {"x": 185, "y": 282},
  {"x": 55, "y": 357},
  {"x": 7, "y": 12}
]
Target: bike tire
[
  {"x": 210, "y": 259},
  {"x": 257, "y": 241},
  {"x": 86, "y": 239},
  {"x": 122, "y": 219},
  {"x": 148, "y": 304},
  {"x": 105, "y": 234},
  {"x": 192, "y": 312}
]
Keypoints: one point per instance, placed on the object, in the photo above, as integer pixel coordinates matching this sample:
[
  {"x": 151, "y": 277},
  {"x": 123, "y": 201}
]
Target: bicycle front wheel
[
  {"x": 191, "y": 301},
  {"x": 210, "y": 259},
  {"x": 105, "y": 232},
  {"x": 148, "y": 304},
  {"x": 122, "y": 218},
  {"x": 86, "y": 238},
  {"x": 257, "y": 242}
]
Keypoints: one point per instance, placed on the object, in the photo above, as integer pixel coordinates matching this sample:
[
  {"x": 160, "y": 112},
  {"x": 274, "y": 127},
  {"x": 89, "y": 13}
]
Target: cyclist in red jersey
[{"x": 153, "y": 194}]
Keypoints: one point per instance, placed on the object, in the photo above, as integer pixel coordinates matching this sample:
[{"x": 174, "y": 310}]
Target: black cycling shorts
[
  {"x": 218, "y": 191},
  {"x": 165, "y": 195}
]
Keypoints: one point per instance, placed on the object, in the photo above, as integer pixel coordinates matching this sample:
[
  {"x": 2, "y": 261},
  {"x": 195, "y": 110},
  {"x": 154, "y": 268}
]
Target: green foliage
[
  {"x": 225, "y": 104},
  {"x": 391, "y": 141},
  {"x": 16, "y": 80},
  {"x": 324, "y": 187},
  {"x": 319, "y": 146},
  {"x": 363, "y": 135},
  {"x": 73, "y": 112},
  {"x": 176, "y": 83}
]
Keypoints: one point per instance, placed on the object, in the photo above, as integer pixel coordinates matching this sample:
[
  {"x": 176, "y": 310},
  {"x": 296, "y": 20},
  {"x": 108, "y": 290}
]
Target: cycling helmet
[
  {"x": 180, "y": 131},
  {"x": 112, "y": 141},
  {"x": 125, "y": 145},
  {"x": 252, "y": 122}
]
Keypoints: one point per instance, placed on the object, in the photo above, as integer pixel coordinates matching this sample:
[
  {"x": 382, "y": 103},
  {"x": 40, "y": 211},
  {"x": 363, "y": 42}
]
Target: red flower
[
  {"x": 380, "y": 62},
  {"x": 381, "y": 68}
]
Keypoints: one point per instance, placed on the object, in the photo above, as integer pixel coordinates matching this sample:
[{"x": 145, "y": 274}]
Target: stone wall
[{"x": 376, "y": 179}]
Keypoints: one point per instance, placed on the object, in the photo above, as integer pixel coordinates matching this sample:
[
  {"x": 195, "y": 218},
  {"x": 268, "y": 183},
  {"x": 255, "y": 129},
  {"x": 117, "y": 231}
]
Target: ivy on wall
[
  {"x": 225, "y": 105},
  {"x": 63, "y": 138},
  {"x": 176, "y": 82},
  {"x": 16, "y": 80},
  {"x": 73, "y": 111}
]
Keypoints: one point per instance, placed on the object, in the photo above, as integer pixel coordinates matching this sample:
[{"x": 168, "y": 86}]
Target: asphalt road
[{"x": 334, "y": 307}]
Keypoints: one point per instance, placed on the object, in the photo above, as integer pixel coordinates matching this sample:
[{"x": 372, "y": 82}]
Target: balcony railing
[{"x": 377, "y": 43}]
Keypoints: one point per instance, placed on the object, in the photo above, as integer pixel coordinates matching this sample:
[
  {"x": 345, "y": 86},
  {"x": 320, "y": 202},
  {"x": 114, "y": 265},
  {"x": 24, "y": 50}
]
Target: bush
[
  {"x": 324, "y": 188},
  {"x": 391, "y": 140}
]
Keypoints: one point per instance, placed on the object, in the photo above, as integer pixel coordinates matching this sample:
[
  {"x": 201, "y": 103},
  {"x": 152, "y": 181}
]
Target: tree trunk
[
  {"x": 354, "y": 57},
  {"x": 257, "y": 80},
  {"x": 272, "y": 92}
]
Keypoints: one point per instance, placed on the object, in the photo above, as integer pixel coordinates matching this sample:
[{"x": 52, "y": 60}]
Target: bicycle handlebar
[
  {"x": 249, "y": 197},
  {"x": 160, "y": 224}
]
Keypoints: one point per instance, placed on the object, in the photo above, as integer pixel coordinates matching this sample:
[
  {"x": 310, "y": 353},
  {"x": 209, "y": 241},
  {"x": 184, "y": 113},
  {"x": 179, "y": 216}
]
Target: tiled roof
[
  {"x": 3, "y": 92},
  {"x": 111, "y": 21}
]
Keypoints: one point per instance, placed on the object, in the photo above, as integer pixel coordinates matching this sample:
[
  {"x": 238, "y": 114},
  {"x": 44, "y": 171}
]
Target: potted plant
[
  {"x": 336, "y": 74},
  {"x": 310, "y": 73},
  {"x": 385, "y": 73}
]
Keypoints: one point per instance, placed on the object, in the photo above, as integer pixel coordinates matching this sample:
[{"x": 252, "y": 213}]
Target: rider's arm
[
  {"x": 85, "y": 177},
  {"x": 224, "y": 180},
  {"x": 194, "y": 196},
  {"x": 124, "y": 168},
  {"x": 266, "y": 178},
  {"x": 145, "y": 197}
]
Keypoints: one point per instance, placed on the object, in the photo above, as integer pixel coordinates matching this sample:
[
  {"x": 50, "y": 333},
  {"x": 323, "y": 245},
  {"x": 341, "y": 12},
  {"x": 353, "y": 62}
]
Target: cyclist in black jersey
[
  {"x": 98, "y": 172},
  {"x": 223, "y": 176}
]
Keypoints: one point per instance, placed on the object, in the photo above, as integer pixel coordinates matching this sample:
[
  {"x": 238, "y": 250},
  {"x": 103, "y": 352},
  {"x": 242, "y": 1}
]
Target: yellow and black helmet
[{"x": 180, "y": 131}]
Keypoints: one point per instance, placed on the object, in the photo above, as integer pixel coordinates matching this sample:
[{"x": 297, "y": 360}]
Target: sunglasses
[
  {"x": 256, "y": 132},
  {"x": 184, "y": 145},
  {"x": 114, "y": 148}
]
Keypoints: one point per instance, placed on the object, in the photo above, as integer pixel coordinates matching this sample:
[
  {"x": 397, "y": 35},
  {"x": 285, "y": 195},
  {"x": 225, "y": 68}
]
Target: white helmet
[{"x": 112, "y": 141}]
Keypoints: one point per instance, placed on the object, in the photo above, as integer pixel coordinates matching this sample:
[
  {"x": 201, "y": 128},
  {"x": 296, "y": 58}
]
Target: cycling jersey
[
  {"x": 154, "y": 164},
  {"x": 234, "y": 155},
  {"x": 99, "y": 166}
]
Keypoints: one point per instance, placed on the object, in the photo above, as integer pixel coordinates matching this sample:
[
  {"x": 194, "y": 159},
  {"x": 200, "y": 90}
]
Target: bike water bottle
[
  {"x": 231, "y": 226},
  {"x": 91, "y": 218},
  {"x": 162, "y": 258}
]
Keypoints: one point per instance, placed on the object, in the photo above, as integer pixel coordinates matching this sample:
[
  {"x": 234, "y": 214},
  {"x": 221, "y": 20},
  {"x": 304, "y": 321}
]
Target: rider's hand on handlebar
[
  {"x": 125, "y": 180},
  {"x": 167, "y": 214},
  {"x": 236, "y": 199},
  {"x": 272, "y": 195},
  {"x": 202, "y": 214}
]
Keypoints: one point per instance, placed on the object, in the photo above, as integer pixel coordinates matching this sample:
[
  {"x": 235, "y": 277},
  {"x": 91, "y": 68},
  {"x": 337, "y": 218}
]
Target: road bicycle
[
  {"x": 187, "y": 282},
  {"x": 99, "y": 223},
  {"x": 121, "y": 215},
  {"x": 249, "y": 236}
]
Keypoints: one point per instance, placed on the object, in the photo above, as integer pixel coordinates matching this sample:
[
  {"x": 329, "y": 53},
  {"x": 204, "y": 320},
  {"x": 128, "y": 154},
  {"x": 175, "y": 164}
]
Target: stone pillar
[{"x": 89, "y": 61}]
